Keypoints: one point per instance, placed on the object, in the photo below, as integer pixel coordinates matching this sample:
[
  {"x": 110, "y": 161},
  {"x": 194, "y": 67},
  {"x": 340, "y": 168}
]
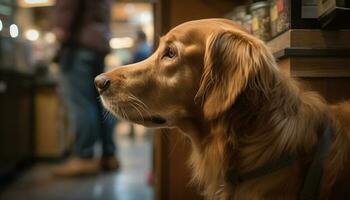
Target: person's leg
[
  {"x": 78, "y": 67},
  {"x": 77, "y": 83},
  {"x": 108, "y": 160},
  {"x": 106, "y": 132}
]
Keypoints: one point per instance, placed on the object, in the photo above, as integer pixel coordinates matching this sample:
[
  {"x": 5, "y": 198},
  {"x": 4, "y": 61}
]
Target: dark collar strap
[
  {"x": 311, "y": 183},
  {"x": 235, "y": 178},
  {"x": 310, "y": 189}
]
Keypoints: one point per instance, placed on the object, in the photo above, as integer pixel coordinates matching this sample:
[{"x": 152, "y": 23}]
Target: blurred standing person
[
  {"x": 142, "y": 49},
  {"x": 83, "y": 29}
]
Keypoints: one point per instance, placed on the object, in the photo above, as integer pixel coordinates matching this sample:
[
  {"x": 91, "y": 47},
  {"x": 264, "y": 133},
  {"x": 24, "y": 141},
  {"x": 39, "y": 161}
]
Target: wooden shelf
[
  {"x": 316, "y": 67},
  {"x": 312, "y": 52},
  {"x": 306, "y": 53},
  {"x": 310, "y": 39}
]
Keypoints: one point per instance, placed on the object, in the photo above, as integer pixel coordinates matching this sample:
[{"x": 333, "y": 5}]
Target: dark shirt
[{"x": 85, "y": 22}]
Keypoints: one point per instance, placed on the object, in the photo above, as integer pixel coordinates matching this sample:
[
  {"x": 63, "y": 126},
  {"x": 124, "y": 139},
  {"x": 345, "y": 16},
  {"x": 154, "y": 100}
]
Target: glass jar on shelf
[
  {"x": 239, "y": 13},
  {"x": 260, "y": 12},
  {"x": 280, "y": 16},
  {"x": 247, "y": 23}
]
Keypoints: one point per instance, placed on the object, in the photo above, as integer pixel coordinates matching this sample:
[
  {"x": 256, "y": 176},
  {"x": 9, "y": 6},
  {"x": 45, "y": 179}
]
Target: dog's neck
[
  {"x": 268, "y": 125},
  {"x": 257, "y": 129},
  {"x": 259, "y": 120}
]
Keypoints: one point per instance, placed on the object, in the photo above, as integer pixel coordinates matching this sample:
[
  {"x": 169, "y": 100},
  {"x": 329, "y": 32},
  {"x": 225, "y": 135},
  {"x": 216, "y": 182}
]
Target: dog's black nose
[{"x": 102, "y": 83}]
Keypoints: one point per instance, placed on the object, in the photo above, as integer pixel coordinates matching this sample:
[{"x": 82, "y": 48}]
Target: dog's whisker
[
  {"x": 142, "y": 108},
  {"x": 135, "y": 107},
  {"x": 124, "y": 114},
  {"x": 105, "y": 115},
  {"x": 140, "y": 104},
  {"x": 139, "y": 101},
  {"x": 173, "y": 149}
]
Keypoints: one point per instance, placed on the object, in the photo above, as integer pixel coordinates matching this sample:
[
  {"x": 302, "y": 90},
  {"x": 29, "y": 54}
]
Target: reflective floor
[{"x": 129, "y": 183}]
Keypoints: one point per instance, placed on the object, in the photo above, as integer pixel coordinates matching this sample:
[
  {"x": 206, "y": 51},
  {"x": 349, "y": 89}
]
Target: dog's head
[{"x": 198, "y": 70}]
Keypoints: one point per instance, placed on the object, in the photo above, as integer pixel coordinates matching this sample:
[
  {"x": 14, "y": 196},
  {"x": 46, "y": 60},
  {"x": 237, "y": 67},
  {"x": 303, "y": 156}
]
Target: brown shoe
[
  {"x": 109, "y": 163},
  {"x": 77, "y": 167}
]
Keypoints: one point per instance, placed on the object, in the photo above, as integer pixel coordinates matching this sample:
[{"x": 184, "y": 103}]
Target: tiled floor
[{"x": 127, "y": 184}]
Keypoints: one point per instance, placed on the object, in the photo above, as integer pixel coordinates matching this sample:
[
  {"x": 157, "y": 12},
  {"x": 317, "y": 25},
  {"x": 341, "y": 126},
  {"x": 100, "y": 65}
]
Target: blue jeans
[{"x": 79, "y": 67}]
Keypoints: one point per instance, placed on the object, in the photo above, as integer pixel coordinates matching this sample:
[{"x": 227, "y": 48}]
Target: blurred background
[{"x": 309, "y": 38}]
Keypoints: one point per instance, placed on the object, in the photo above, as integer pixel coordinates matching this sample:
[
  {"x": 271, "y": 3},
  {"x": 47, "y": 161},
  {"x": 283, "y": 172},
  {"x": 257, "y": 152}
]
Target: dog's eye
[{"x": 169, "y": 52}]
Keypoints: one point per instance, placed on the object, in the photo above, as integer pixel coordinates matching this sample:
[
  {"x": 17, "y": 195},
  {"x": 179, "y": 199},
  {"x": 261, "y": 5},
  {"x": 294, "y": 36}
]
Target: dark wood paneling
[
  {"x": 16, "y": 119},
  {"x": 334, "y": 90},
  {"x": 173, "y": 174},
  {"x": 171, "y": 150},
  {"x": 320, "y": 66}
]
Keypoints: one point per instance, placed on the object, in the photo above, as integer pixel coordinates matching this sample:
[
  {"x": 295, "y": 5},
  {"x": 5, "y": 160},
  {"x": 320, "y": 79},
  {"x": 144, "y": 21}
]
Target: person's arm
[{"x": 64, "y": 16}]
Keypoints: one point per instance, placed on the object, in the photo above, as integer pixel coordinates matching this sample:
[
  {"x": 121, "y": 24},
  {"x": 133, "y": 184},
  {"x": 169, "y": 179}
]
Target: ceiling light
[
  {"x": 14, "y": 31},
  {"x": 35, "y": 3}
]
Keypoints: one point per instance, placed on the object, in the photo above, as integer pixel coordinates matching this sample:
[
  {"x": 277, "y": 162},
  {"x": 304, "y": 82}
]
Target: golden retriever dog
[{"x": 222, "y": 88}]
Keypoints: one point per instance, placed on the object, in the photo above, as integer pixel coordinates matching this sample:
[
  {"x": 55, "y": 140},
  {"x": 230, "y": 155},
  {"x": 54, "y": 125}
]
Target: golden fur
[{"x": 222, "y": 88}]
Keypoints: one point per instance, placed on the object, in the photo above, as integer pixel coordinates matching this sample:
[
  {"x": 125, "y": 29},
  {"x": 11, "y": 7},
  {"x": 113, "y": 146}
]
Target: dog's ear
[{"x": 231, "y": 61}]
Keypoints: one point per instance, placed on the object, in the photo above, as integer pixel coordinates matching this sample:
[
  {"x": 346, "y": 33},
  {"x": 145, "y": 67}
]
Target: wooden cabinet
[
  {"x": 16, "y": 119},
  {"x": 51, "y": 135}
]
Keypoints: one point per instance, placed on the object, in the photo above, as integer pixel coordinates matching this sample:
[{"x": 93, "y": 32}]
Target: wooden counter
[{"x": 51, "y": 127}]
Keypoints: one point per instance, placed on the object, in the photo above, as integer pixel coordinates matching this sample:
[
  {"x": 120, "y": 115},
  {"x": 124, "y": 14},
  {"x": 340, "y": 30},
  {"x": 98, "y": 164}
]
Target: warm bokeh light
[
  {"x": 50, "y": 37},
  {"x": 32, "y": 35},
  {"x": 121, "y": 43},
  {"x": 35, "y": 3},
  {"x": 14, "y": 31}
]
